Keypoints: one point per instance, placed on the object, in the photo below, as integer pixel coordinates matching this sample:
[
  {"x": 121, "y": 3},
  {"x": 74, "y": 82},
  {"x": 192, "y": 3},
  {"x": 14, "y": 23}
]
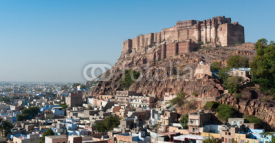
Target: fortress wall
[
  {"x": 183, "y": 34},
  {"x": 141, "y": 42},
  {"x": 203, "y": 32},
  {"x": 171, "y": 36},
  {"x": 194, "y": 33},
  {"x": 127, "y": 45},
  {"x": 151, "y": 57},
  {"x": 217, "y": 31},
  {"x": 157, "y": 37},
  {"x": 149, "y": 39},
  {"x": 184, "y": 47},
  {"x": 235, "y": 34},
  {"x": 213, "y": 33},
  {"x": 222, "y": 34},
  {"x": 171, "y": 49},
  {"x": 163, "y": 51},
  {"x": 208, "y": 34},
  {"x": 135, "y": 43}
]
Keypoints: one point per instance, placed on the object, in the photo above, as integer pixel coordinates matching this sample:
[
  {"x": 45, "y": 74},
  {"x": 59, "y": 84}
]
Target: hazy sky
[{"x": 53, "y": 40}]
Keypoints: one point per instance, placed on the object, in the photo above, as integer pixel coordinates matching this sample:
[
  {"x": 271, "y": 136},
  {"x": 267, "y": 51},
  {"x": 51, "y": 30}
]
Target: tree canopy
[
  {"x": 48, "y": 132},
  {"x": 28, "y": 113},
  {"x": 263, "y": 66},
  {"x": 225, "y": 111},
  {"x": 216, "y": 66},
  {"x": 237, "y": 61},
  {"x": 108, "y": 124},
  {"x": 233, "y": 84},
  {"x": 5, "y": 99},
  {"x": 5, "y": 127},
  {"x": 179, "y": 99},
  {"x": 184, "y": 121},
  {"x": 129, "y": 78}
]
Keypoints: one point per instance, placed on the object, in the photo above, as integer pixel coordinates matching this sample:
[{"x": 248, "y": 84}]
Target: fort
[{"x": 186, "y": 36}]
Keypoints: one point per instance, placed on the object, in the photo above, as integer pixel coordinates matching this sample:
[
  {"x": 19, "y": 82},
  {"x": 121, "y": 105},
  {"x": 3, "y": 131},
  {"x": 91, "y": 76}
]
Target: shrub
[
  {"x": 253, "y": 119},
  {"x": 184, "y": 121},
  {"x": 179, "y": 99},
  {"x": 233, "y": 84},
  {"x": 129, "y": 78},
  {"x": 216, "y": 66},
  {"x": 225, "y": 111},
  {"x": 210, "y": 105},
  {"x": 108, "y": 124},
  {"x": 265, "y": 99},
  {"x": 238, "y": 95},
  {"x": 237, "y": 62}
]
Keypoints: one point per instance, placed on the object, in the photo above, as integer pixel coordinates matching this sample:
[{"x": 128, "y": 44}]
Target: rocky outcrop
[{"x": 255, "y": 107}]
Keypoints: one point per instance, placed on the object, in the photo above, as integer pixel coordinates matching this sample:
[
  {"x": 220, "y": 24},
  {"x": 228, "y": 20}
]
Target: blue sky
[{"x": 53, "y": 40}]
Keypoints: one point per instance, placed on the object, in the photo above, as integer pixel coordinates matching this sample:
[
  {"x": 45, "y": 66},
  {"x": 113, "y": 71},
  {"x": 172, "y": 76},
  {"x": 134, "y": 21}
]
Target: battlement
[{"x": 218, "y": 31}]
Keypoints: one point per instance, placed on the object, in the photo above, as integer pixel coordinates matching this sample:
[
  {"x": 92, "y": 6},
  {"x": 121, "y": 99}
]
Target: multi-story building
[
  {"x": 74, "y": 99},
  {"x": 197, "y": 120}
]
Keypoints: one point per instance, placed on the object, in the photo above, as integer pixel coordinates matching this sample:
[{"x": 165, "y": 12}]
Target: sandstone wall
[
  {"x": 218, "y": 31},
  {"x": 171, "y": 49}
]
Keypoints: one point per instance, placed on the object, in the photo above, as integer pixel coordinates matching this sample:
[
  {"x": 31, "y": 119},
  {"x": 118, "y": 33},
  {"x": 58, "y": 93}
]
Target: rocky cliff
[{"x": 175, "y": 73}]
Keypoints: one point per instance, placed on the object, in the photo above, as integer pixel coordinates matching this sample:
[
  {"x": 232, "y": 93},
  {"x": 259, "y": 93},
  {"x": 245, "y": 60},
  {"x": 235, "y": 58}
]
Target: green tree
[
  {"x": 75, "y": 85},
  {"x": 64, "y": 106},
  {"x": 233, "y": 84},
  {"x": 223, "y": 75},
  {"x": 179, "y": 99},
  {"x": 210, "y": 140},
  {"x": 5, "y": 127},
  {"x": 48, "y": 132},
  {"x": 263, "y": 66},
  {"x": 129, "y": 78},
  {"x": 28, "y": 113},
  {"x": 184, "y": 121},
  {"x": 83, "y": 86},
  {"x": 237, "y": 62},
  {"x": 5, "y": 99},
  {"x": 253, "y": 119},
  {"x": 210, "y": 105},
  {"x": 108, "y": 124},
  {"x": 225, "y": 111},
  {"x": 216, "y": 66},
  {"x": 273, "y": 140}
]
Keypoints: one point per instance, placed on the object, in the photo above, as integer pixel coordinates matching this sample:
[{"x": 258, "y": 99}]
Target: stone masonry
[{"x": 186, "y": 36}]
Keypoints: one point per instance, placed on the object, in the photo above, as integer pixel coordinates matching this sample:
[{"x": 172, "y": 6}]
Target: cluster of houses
[{"x": 143, "y": 119}]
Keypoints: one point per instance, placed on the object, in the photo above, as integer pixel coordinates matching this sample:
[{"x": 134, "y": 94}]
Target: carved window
[{"x": 220, "y": 29}]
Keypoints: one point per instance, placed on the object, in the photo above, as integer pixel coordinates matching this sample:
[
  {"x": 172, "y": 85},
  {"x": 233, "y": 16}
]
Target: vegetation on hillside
[
  {"x": 225, "y": 111},
  {"x": 179, "y": 99},
  {"x": 263, "y": 66},
  {"x": 253, "y": 119},
  {"x": 129, "y": 78},
  {"x": 233, "y": 84},
  {"x": 216, "y": 66},
  {"x": 237, "y": 61},
  {"x": 184, "y": 121},
  {"x": 211, "y": 105}
]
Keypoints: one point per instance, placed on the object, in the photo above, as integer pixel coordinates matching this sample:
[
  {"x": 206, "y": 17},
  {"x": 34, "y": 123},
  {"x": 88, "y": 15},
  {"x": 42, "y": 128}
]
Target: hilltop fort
[{"x": 186, "y": 36}]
